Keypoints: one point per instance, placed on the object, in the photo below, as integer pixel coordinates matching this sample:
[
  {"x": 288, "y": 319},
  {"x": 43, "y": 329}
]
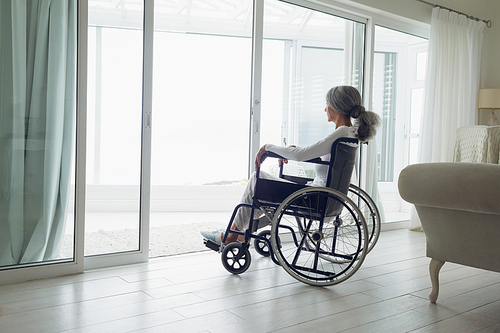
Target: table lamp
[{"x": 490, "y": 99}]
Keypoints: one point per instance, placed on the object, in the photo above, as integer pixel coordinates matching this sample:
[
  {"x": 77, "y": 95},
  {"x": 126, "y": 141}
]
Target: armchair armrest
[{"x": 472, "y": 187}]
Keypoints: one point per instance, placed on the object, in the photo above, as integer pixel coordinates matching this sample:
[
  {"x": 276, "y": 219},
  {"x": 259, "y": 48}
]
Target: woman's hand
[
  {"x": 261, "y": 152},
  {"x": 284, "y": 160}
]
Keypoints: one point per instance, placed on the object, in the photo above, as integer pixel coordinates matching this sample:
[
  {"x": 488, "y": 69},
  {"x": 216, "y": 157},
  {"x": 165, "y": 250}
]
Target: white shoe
[{"x": 214, "y": 236}]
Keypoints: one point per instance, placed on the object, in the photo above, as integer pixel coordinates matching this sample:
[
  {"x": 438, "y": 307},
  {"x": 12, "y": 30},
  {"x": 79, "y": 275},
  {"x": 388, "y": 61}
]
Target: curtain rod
[{"x": 488, "y": 22}]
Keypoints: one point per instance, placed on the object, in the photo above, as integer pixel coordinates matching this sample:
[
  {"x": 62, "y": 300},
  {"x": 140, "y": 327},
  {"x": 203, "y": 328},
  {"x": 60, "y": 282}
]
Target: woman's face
[{"x": 331, "y": 114}]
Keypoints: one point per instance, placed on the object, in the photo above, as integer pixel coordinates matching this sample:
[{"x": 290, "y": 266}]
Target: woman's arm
[
  {"x": 261, "y": 152},
  {"x": 320, "y": 148}
]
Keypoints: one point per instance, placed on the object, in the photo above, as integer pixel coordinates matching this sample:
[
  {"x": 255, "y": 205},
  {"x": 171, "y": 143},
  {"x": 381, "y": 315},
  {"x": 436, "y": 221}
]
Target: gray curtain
[{"x": 37, "y": 115}]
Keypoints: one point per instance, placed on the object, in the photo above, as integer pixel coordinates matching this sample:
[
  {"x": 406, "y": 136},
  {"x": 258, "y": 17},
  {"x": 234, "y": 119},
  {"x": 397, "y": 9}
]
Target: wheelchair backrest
[{"x": 342, "y": 161}]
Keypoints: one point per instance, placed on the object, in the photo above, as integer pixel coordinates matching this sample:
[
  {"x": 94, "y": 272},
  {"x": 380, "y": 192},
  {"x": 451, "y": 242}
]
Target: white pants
[{"x": 242, "y": 218}]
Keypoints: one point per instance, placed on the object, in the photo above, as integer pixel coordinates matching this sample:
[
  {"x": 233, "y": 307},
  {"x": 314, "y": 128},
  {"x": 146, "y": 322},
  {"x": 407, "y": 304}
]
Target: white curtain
[
  {"x": 451, "y": 87},
  {"x": 38, "y": 96},
  {"x": 373, "y": 170}
]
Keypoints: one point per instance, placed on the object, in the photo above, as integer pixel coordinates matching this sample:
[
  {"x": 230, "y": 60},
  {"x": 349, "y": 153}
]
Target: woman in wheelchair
[{"x": 343, "y": 103}]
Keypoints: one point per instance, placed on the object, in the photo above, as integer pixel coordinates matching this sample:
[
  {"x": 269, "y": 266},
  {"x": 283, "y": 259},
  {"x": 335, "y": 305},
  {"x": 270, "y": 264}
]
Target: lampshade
[{"x": 489, "y": 99}]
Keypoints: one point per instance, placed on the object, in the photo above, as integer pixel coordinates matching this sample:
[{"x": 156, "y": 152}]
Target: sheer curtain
[
  {"x": 452, "y": 84},
  {"x": 38, "y": 96},
  {"x": 373, "y": 171}
]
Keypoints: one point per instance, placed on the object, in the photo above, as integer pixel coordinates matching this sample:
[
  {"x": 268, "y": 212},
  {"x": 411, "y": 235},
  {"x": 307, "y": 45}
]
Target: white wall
[{"x": 490, "y": 74}]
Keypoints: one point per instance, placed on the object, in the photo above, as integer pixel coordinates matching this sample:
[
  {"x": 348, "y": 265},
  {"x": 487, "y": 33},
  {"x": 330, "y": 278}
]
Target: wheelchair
[{"x": 319, "y": 235}]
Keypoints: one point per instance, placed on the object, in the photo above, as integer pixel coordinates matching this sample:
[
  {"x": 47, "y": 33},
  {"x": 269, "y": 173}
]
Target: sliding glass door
[
  {"x": 37, "y": 131},
  {"x": 201, "y": 110},
  {"x": 114, "y": 126},
  {"x": 201, "y": 93}
]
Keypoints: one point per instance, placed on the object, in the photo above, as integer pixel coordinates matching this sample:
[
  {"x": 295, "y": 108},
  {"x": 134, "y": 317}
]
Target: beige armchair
[{"x": 459, "y": 208}]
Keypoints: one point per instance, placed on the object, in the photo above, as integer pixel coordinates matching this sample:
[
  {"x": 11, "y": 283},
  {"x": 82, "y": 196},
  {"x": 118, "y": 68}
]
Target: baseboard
[{"x": 394, "y": 225}]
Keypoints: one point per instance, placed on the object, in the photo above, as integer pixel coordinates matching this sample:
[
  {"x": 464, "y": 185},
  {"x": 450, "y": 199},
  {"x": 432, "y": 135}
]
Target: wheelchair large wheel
[
  {"x": 370, "y": 212},
  {"x": 316, "y": 249}
]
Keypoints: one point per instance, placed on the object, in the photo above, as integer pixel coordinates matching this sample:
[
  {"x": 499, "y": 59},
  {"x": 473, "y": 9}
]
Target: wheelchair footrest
[{"x": 212, "y": 245}]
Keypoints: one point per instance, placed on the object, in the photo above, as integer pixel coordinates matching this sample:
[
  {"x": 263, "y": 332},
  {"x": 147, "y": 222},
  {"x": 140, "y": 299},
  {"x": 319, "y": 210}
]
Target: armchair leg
[{"x": 434, "y": 268}]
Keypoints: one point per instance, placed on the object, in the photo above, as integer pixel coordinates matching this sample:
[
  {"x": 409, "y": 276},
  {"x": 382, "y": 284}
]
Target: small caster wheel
[
  {"x": 261, "y": 246},
  {"x": 236, "y": 258}
]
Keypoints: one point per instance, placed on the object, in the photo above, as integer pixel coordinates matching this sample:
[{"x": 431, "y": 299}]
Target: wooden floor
[{"x": 194, "y": 293}]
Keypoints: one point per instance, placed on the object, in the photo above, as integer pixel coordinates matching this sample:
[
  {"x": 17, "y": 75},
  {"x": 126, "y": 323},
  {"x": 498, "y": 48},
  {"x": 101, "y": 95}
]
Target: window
[{"x": 398, "y": 78}]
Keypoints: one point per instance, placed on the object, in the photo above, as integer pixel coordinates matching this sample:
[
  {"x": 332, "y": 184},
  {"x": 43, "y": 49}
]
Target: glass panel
[
  {"x": 417, "y": 99},
  {"x": 396, "y": 69},
  {"x": 275, "y": 74},
  {"x": 320, "y": 69},
  {"x": 114, "y": 107},
  {"x": 413, "y": 150},
  {"x": 308, "y": 52},
  {"x": 399, "y": 73},
  {"x": 37, "y": 131},
  {"x": 384, "y": 103},
  {"x": 201, "y": 116},
  {"x": 421, "y": 65}
]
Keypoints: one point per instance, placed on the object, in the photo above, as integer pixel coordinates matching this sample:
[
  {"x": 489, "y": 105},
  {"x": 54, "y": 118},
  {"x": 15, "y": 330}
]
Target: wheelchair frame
[{"x": 327, "y": 237}]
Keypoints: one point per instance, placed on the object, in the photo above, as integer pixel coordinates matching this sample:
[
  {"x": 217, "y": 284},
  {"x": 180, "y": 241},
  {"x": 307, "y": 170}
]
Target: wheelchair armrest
[
  {"x": 302, "y": 180},
  {"x": 316, "y": 160},
  {"x": 297, "y": 180}
]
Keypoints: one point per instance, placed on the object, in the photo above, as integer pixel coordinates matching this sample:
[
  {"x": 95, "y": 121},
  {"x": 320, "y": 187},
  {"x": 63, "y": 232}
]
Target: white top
[{"x": 322, "y": 149}]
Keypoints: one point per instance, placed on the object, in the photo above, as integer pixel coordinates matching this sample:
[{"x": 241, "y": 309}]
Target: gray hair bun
[
  {"x": 357, "y": 111},
  {"x": 366, "y": 125}
]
